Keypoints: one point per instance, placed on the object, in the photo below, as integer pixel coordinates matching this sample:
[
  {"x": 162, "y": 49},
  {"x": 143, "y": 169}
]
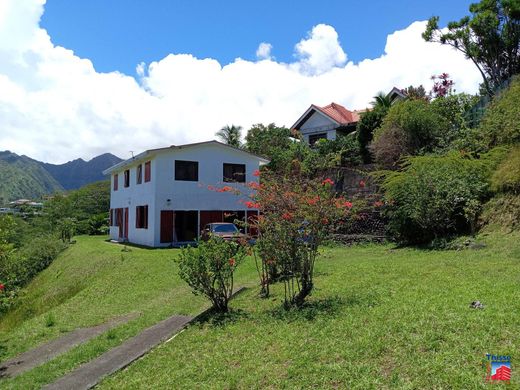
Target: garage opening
[{"x": 186, "y": 225}]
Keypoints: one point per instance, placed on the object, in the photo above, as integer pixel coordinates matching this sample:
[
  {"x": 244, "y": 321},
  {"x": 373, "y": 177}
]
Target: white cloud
[
  {"x": 321, "y": 51},
  {"x": 55, "y": 107},
  {"x": 264, "y": 51}
]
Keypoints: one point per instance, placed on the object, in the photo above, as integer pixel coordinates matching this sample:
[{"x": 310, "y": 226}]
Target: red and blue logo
[{"x": 498, "y": 368}]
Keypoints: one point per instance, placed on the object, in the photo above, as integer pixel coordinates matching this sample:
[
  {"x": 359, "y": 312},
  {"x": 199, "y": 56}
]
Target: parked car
[{"x": 227, "y": 231}]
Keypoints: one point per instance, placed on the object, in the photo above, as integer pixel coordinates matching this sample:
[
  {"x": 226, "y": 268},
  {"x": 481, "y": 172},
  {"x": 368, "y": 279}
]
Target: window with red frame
[{"x": 141, "y": 217}]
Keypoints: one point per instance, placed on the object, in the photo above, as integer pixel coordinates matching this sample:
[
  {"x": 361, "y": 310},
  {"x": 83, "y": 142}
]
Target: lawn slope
[
  {"x": 380, "y": 318},
  {"x": 88, "y": 284}
]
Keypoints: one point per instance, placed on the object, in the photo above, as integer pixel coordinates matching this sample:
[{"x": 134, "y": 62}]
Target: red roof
[{"x": 339, "y": 113}]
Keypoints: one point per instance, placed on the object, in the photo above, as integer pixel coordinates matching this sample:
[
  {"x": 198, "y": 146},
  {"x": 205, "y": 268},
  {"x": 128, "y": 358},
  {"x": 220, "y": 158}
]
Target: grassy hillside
[
  {"x": 380, "y": 317},
  {"x": 22, "y": 177}
]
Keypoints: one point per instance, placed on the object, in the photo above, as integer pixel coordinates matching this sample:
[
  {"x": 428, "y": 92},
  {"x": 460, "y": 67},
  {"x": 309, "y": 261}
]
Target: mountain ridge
[{"x": 24, "y": 177}]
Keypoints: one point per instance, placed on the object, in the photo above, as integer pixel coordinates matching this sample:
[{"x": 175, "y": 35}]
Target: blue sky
[{"x": 119, "y": 34}]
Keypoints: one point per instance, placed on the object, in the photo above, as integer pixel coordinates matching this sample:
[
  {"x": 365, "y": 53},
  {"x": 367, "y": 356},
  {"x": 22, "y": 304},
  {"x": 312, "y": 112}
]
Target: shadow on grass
[
  {"x": 217, "y": 319},
  {"x": 309, "y": 310}
]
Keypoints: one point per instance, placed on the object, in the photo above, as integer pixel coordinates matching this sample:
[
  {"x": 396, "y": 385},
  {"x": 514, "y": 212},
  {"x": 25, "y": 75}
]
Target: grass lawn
[{"x": 380, "y": 317}]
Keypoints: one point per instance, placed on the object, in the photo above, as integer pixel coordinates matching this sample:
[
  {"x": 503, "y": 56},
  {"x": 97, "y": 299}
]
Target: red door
[
  {"x": 125, "y": 230},
  {"x": 166, "y": 226},
  {"x": 252, "y": 217}
]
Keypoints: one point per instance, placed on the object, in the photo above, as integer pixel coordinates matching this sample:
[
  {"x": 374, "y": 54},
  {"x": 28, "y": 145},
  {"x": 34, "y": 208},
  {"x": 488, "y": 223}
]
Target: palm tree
[
  {"x": 230, "y": 135},
  {"x": 382, "y": 100}
]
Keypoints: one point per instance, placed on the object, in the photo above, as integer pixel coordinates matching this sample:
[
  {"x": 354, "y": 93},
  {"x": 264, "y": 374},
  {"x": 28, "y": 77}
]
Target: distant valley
[{"x": 24, "y": 177}]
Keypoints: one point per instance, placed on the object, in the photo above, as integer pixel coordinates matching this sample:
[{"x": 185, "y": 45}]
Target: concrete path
[
  {"x": 50, "y": 350},
  {"x": 89, "y": 374}
]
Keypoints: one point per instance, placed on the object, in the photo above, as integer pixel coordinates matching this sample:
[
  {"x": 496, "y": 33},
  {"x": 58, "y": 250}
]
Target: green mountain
[{"x": 23, "y": 177}]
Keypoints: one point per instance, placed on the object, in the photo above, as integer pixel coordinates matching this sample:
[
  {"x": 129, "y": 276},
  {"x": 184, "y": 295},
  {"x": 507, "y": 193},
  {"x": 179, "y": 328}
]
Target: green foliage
[
  {"x": 490, "y": 38},
  {"x": 501, "y": 122},
  {"x": 230, "y": 135},
  {"x": 507, "y": 176},
  {"x": 502, "y": 212},
  {"x": 437, "y": 196},
  {"x": 87, "y": 206},
  {"x": 296, "y": 215},
  {"x": 270, "y": 141},
  {"x": 209, "y": 268},
  {"x": 453, "y": 108},
  {"x": 369, "y": 122},
  {"x": 410, "y": 127},
  {"x": 22, "y": 177},
  {"x": 326, "y": 154},
  {"x": 66, "y": 228}
]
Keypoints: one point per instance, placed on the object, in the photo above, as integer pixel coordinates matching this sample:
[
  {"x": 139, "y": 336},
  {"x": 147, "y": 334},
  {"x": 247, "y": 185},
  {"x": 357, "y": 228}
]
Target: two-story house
[
  {"x": 325, "y": 122},
  {"x": 166, "y": 196}
]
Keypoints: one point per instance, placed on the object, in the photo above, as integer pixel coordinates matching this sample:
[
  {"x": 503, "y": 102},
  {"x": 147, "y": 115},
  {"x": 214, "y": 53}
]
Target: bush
[
  {"x": 437, "y": 196},
  {"x": 343, "y": 151},
  {"x": 507, "y": 176},
  {"x": 501, "y": 122},
  {"x": 410, "y": 127},
  {"x": 368, "y": 123},
  {"x": 209, "y": 268},
  {"x": 297, "y": 213}
]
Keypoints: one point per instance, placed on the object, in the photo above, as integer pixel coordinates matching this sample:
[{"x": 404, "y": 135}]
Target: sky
[{"x": 81, "y": 78}]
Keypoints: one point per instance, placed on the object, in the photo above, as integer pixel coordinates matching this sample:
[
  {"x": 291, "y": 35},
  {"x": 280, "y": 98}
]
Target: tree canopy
[{"x": 490, "y": 38}]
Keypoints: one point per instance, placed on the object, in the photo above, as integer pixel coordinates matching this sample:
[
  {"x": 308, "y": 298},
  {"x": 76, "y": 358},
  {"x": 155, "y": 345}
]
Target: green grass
[{"x": 380, "y": 317}]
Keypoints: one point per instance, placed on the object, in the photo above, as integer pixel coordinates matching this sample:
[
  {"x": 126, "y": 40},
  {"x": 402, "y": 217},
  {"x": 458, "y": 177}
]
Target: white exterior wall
[
  {"x": 316, "y": 124},
  {"x": 163, "y": 192}
]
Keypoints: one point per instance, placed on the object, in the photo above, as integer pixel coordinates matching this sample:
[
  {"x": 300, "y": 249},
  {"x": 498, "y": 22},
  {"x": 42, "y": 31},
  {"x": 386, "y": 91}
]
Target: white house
[
  {"x": 167, "y": 195},
  {"x": 326, "y": 122}
]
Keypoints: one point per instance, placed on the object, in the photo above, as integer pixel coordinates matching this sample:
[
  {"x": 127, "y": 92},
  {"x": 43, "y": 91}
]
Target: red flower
[
  {"x": 256, "y": 173},
  {"x": 347, "y": 204},
  {"x": 314, "y": 200},
  {"x": 287, "y": 216},
  {"x": 232, "y": 262},
  {"x": 378, "y": 203},
  {"x": 362, "y": 183},
  {"x": 253, "y": 185},
  {"x": 252, "y": 205},
  {"x": 211, "y": 188},
  {"x": 325, "y": 221},
  {"x": 327, "y": 181},
  {"x": 2, "y": 287},
  {"x": 225, "y": 189}
]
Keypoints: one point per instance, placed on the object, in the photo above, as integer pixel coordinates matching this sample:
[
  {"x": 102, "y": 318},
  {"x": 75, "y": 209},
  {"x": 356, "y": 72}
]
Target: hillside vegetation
[
  {"x": 382, "y": 317},
  {"x": 22, "y": 177}
]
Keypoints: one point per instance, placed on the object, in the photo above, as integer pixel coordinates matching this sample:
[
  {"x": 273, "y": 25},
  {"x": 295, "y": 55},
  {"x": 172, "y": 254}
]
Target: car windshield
[{"x": 225, "y": 228}]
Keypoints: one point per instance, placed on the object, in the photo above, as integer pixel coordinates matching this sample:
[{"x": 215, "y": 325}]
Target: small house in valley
[
  {"x": 325, "y": 122},
  {"x": 166, "y": 196}
]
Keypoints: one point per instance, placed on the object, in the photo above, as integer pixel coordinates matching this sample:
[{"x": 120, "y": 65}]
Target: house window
[
  {"x": 186, "y": 170},
  {"x": 127, "y": 178},
  {"x": 116, "y": 182},
  {"x": 147, "y": 171},
  {"x": 139, "y": 174},
  {"x": 235, "y": 173},
  {"x": 141, "y": 217},
  {"x": 316, "y": 137}
]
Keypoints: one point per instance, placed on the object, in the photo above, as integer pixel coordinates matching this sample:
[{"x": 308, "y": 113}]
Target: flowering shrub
[
  {"x": 296, "y": 213},
  {"x": 208, "y": 269}
]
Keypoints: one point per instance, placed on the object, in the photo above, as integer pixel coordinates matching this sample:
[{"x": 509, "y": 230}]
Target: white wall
[
  {"x": 316, "y": 124},
  {"x": 182, "y": 195}
]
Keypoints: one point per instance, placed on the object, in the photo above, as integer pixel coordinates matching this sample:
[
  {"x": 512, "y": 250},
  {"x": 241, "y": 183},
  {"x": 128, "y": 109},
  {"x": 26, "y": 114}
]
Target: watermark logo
[{"x": 498, "y": 368}]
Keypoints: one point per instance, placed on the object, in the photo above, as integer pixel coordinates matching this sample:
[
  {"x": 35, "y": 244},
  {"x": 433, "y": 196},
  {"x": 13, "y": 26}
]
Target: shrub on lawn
[
  {"x": 437, "y": 196},
  {"x": 502, "y": 211},
  {"x": 208, "y": 269},
  {"x": 296, "y": 214}
]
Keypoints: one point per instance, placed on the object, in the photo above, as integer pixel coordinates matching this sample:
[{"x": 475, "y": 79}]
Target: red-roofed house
[{"x": 326, "y": 122}]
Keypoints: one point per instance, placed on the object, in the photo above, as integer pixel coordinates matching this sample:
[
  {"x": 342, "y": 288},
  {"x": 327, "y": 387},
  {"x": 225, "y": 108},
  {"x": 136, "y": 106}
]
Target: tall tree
[
  {"x": 230, "y": 135},
  {"x": 490, "y": 38}
]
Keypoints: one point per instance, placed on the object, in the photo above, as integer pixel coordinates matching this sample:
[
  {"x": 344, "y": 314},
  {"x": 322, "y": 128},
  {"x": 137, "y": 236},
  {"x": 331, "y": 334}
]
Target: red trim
[{"x": 147, "y": 171}]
